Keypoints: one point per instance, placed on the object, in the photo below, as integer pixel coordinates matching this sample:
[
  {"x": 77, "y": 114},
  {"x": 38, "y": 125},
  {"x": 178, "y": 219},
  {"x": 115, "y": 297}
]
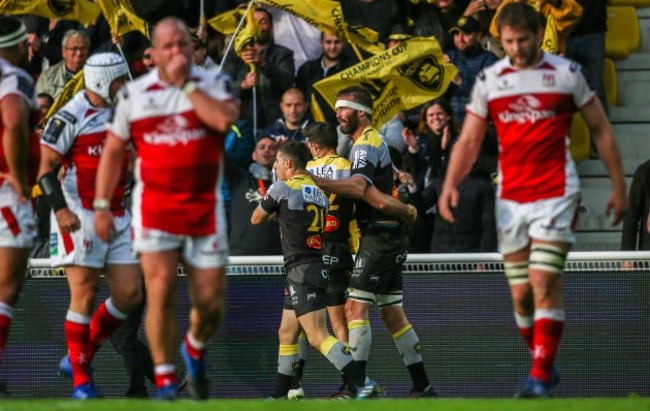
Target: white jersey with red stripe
[
  {"x": 77, "y": 132},
  {"x": 532, "y": 110},
  {"x": 16, "y": 81},
  {"x": 178, "y": 165}
]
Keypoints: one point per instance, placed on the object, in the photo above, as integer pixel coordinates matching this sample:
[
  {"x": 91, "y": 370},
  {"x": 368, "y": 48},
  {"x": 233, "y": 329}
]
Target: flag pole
[
  {"x": 128, "y": 70},
  {"x": 201, "y": 29},
  {"x": 232, "y": 38}
]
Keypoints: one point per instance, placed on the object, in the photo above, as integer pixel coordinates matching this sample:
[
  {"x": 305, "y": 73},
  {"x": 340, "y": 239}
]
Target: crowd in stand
[{"x": 290, "y": 56}]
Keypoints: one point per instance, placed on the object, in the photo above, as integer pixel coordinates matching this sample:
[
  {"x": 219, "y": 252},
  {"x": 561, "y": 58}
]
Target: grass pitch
[{"x": 590, "y": 404}]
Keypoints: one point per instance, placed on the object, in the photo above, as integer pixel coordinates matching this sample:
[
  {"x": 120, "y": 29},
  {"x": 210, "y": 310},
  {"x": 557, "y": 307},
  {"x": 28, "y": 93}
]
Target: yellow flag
[
  {"x": 248, "y": 32},
  {"x": 72, "y": 87},
  {"x": 549, "y": 43},
  {"x": 399, "y": 78},
  {"x": 121, "y": 17},
  {"x": 226, "y": 23},
  {"x": 327, "y": 16},
  {"x": 84, "y": 11},
  {"x": 316, "y": 110}
]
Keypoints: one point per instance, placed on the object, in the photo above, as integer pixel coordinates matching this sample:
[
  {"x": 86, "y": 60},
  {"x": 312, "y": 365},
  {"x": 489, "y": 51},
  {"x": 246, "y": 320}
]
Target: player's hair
[
  {"x": 296, "y": 152},
  {"x": 170, "y": 20},
  {"x": 324, "y": 134},
  {"x": 359, "y": 95},
  {"x": 519, "y": 15}
]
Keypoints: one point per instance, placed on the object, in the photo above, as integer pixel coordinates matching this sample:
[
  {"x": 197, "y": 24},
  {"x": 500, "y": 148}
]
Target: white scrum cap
[{"x": 101, "y": 70}]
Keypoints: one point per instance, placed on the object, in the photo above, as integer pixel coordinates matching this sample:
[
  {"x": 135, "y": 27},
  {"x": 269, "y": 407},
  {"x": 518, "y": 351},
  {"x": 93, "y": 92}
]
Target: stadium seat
[
  {"x": 633, "y": 3},
  {"x": 623, "y": 34},
  {"x": 611, "y": 83},
  {"x": 580, "y": 145}
]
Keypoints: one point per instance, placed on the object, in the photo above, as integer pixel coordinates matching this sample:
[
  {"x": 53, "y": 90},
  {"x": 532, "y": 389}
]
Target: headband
[
  {"x": 353, "y": 105},
  {"x": 11, "y": 39}
]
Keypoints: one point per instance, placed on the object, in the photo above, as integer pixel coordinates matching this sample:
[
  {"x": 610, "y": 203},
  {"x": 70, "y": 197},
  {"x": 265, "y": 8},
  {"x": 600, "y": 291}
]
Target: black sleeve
[{"x": 634, "y": 220}]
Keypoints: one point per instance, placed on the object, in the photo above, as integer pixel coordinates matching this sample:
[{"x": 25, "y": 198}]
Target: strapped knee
[
  {"x": 516, "y": 273},
  {"x": 547, "y": 258}
]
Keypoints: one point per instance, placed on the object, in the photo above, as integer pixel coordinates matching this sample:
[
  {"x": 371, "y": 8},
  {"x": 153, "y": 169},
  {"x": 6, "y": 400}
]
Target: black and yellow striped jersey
[{"x": 301, "y": 209}]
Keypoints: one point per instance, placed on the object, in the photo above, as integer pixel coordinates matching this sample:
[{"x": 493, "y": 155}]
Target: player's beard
[{"x": 350, "y": 124}]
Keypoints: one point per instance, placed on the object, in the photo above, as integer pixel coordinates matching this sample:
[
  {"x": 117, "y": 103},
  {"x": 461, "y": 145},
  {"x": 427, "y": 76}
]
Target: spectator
[
  {"x": 332, "y": 60},
  {"x": 635, "y": 234},
  {"x": 470, "y": 58},
  {"x": 484, "y": 11},
  {"x": 45, "y": 101},
  {"x": 293, "y": 120},
  {"x": 427, "y": 154},
  {"x": 248, "y": 186},
  {"x": 51, "y": 33},
  {"x": 75, "y": 49},
  {"x": 586, "y": 45},
  {"x": 435, "y": 20},
  {"x": 379, "y": 15},
  {"x": 274, "y": 74},
  {"x": 200, "y": 55}
]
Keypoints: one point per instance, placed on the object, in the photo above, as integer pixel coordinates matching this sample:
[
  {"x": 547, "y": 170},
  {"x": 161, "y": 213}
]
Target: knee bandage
[{"x": 547, "y": 258}]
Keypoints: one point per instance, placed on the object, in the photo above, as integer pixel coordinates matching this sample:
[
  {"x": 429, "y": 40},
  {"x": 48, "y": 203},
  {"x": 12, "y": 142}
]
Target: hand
[
  {"x": 67, "y": 220},
  {"x": 177, "y": 70},
  {"x": 250, "y": 56},
  {"x": 474, "y": 7},
  {"x": 249, "y": 80},
  {"x": 618, "y": 205},
  {"x": 405, "y": 178},
  {"x": 413, "y": 214},
  {"x": 20, "y": 187},
  {"x": 446, "y": 137},
  {"x": 104, "y": 227},
  {"x": 447, "y": 201},
  {"x": 115, "y": 39}
]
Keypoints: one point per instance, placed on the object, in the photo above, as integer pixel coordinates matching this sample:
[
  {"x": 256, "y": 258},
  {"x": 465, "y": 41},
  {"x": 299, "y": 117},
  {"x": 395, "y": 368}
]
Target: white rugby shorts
[
  {"x": 16, "y": 220},
  {"x": 552, "y": 219}
]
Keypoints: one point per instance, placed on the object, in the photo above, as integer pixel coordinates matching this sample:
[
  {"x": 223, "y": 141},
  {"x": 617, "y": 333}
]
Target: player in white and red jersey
[
  {"x": 74, "y": 138},
  {"x": 530, "y": 96},
  {"x": 176, "y": 117},
  {"x": 18, "y": 163}
]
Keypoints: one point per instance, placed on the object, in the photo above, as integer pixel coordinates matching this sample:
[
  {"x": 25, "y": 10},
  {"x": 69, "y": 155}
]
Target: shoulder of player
[{"x": 369, "y": 136}]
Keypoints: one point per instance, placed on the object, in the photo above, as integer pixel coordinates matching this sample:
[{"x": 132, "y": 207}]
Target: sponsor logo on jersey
[
  {"x": 174, "y": 131},
  {"x": 324, "y": 171},
  {"x": 314, "y": 241},
  {"x": 95, "y": 151},
  {"x": 54, "y": 130},
  {"x": 359, "y": 159},
  {"x": 331, "y": 224},
  {"x": 526, "y": 109},
  {"x": 313, "y": 194},
  {"x": 548, "y": 79}
]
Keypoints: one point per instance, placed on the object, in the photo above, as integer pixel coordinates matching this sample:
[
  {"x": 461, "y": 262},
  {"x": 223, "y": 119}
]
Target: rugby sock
[
  {"x": 195, "y": 348},
  {"x": 408, "y": 345},
  {"x": 525, "y": 324},
  {"x": 77, "y": 333},
  {"x": 339, "y": 355},
  {"x": 360, "y": 341},
  {"x": 549, "y": 324},
  {"x": 164, "y": 374},
  {"x": 6, "y": 314},
  {"x": 300, "y": 368},
  {"x": 105, "y": 321},
  {"x": 288, "y": 359}
]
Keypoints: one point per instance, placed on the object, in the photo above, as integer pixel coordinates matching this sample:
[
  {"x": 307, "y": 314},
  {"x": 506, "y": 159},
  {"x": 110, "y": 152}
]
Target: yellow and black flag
[
  {"x": 248, "y": 33},
  {"x": 226, "y": 23},
  {"x": 399, "y": 78},
  {"x": 72, "y": 87},
  {"x": 550, "y": 43},
  {"x": 121, "y": 17},
  {"x": 83, "y": 11},
  {"x": 327, "y": 16}
]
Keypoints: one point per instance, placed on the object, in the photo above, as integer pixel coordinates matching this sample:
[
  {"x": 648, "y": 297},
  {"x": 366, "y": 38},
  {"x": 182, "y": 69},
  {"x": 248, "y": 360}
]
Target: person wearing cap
[
  {"x": 18, "y": 163},
  {"x": 75, "y": 49},
  {"x": 74, "y": 137},
  {"x": 470, "y": 58},
  {"x": 377, "y": 274}
]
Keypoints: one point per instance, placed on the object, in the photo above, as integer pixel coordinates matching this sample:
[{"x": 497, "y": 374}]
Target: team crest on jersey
[
  {"x": 359, "y": 159},
  {"x": 331, "y": 224},
  {"x": 424, "y": 72},
  {"x": 548, "y": 80}
]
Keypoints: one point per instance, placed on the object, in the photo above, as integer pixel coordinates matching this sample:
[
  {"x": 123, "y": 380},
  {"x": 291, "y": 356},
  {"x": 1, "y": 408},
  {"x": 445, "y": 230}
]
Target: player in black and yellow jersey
[
  {"x": 301, "y": 207},
  {"x": 377, "y": 274}
]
